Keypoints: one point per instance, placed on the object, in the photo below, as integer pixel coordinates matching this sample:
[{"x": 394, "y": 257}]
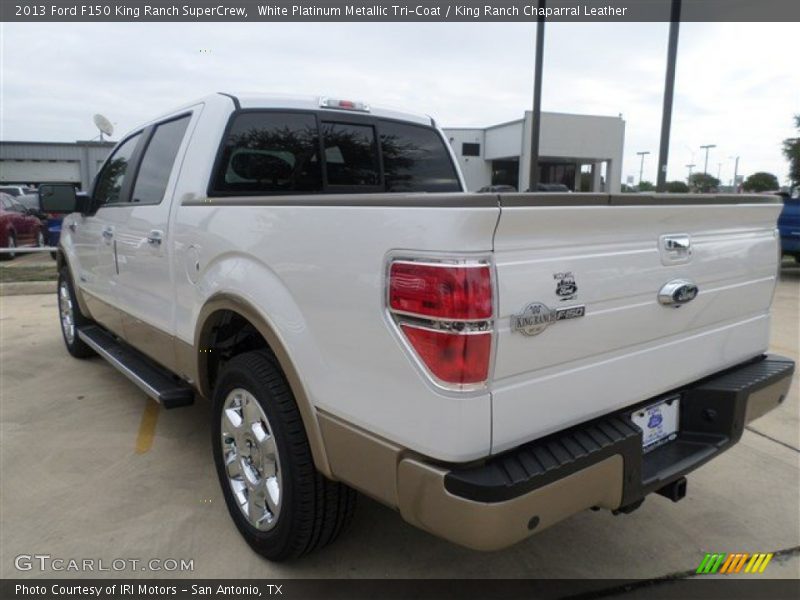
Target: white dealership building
[{"x": 568, "y": 146}]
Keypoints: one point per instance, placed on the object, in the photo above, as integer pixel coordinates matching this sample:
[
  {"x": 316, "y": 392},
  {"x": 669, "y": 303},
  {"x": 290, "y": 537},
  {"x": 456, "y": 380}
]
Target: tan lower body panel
[
  {"x": 764, "y": 400},
  {"x": 424, "y": 502}
]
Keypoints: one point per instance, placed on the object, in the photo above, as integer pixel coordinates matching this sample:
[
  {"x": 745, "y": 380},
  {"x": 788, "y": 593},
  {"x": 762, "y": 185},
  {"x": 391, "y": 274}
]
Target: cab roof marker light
[{"x": 340, "y": 104}]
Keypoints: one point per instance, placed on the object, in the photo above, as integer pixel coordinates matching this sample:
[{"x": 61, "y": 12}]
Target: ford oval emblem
[{"x": 678, "y": 292}]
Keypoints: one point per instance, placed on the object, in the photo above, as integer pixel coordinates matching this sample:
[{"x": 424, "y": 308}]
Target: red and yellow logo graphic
[{"x": 727, "y": 564}]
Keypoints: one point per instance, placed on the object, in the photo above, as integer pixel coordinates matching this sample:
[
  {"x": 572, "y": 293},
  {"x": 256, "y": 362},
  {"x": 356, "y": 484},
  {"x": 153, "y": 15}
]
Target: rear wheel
[
  {"x": 280, "y": 503},
  {"x": 11, "y": 243},
  {"x": 71, "y": 317}
]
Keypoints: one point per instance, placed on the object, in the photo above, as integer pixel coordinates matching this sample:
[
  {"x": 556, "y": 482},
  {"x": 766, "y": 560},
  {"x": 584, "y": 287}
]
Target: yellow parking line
[{"x": 147, "y": 428}]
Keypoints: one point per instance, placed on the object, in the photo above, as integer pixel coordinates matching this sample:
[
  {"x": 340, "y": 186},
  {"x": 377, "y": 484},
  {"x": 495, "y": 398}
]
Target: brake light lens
[
  {"x": 454, "y": 358},
  {"x": 441, "y": 291},
  {"x": 444, "y": 311}
]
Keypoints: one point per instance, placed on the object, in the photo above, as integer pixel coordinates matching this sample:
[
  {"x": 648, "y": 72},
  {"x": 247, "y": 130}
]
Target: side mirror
[{"x": 61, "y": 198}]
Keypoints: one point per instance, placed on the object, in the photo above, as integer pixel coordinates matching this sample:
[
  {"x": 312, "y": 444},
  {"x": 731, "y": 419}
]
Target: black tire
[
  {"x": 313, "y": 510},
  {"x": 75, "y": 345},
  {"x": 10, "y": 243}
]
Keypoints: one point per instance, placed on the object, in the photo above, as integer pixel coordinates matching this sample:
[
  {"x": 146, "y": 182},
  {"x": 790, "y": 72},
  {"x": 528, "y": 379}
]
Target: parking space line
[{"x": 147, "y": 427}]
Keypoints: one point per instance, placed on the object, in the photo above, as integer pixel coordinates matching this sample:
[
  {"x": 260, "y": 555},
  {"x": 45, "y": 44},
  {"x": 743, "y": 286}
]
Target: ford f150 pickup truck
[{"x": 486, "y": 364}]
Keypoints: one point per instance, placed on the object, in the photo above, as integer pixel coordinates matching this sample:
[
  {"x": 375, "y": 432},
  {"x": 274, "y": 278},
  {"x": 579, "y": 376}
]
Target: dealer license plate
[{"x": 658, "y": 422}]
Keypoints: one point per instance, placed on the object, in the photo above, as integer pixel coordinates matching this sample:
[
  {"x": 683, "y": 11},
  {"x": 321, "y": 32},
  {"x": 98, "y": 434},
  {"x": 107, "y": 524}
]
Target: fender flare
[{"x": 244, "y": 309}]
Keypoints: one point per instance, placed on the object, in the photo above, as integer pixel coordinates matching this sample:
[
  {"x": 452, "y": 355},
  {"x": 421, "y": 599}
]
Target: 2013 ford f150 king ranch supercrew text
[{"x": 486, "y": 364}]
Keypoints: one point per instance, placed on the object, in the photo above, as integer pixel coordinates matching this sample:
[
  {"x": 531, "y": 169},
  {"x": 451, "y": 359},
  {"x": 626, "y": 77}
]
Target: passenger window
[
  {"x": 158, "y": 160},
  {"x": 351, "y": 157},
  {"x": 112, "y": 177},
  {"x": 415, "y": 159},
  {"x": 270, "y": 152}
]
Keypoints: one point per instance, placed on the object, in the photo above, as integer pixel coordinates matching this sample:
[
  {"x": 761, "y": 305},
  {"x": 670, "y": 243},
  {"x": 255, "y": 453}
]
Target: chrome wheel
[
  {"x": 66, "y": 311},
  {"x": 251, "y": 459}
]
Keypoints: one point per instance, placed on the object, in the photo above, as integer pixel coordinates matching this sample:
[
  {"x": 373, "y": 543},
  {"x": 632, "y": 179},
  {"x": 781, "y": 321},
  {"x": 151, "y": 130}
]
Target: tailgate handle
[{"x": 675, "y": 248}]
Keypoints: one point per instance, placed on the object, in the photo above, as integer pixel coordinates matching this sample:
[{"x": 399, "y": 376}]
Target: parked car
[
  {"x": 496, "y": 189},
  {"x": 16, "y": 190},
  {"x": 550, "y": 187},
  {"x": 18, "y": 227},
  {"x": 789, "y": 225},
  {"x": 488, "y": 365},
  {"x": 52, "y": 221}
]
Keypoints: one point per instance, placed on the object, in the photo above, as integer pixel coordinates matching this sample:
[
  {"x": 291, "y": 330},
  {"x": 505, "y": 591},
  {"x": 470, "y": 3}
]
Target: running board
[{"x": 155, "y": 381}]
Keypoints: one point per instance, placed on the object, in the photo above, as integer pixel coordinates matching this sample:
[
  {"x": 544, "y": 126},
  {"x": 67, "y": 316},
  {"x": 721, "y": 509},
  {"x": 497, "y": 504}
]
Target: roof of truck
[{"x": 257, "y": 100}]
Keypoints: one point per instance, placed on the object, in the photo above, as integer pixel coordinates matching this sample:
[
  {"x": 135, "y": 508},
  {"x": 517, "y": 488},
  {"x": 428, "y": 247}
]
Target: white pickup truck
[{"x": 486, "y": 364}]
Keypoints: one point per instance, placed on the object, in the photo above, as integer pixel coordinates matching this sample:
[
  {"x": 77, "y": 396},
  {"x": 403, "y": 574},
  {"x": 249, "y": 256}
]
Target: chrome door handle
[
  {"x": 108, "y": 233},
  {"x": 155, "y": 237}
]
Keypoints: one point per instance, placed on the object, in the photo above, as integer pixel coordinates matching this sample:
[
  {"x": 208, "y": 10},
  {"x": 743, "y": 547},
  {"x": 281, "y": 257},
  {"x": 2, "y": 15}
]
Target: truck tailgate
[{"x": 612, "y": 255}]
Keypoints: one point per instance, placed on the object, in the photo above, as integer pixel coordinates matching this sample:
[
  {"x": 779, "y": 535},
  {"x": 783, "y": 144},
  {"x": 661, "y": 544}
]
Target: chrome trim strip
[{"x": 117, "y": 364}]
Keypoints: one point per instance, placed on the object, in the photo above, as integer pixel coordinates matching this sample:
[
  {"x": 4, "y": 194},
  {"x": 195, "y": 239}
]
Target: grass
[{"x": 28, "y": 273}]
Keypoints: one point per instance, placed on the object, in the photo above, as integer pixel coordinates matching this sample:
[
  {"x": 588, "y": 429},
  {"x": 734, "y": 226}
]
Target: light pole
[
  {"x": 533, "y": 177},
  {"x": 641, "y": 165},
  {"x": 735, "y": 175},
  {"x": 690, "y": 166},
  {"x": 707, "y": 147},
  {"x": 669, "y": 89}
]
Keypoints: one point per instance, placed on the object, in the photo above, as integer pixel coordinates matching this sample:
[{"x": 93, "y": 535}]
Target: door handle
[
  {"x": 155, "y": 237},
  {"x": 108, "y": 233}
]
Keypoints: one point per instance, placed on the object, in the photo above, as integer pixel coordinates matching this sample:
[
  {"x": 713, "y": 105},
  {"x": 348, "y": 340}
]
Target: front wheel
[
  {"x": 281, "y": 504},
  {"x": 71, "y": 317}
]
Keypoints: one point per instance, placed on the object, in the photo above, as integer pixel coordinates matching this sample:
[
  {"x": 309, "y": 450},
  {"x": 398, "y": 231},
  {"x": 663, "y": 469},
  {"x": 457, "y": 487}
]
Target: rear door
[
  {"x": 582, "y": 331},
  {"x": 144, "y": 279}
]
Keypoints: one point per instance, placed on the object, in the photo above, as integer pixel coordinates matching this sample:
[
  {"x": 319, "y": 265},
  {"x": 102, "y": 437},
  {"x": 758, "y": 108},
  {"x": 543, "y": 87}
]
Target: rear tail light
[{"x": 444, "y": 311}]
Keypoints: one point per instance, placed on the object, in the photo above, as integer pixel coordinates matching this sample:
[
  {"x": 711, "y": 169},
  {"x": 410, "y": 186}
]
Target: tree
[
  {"x": 677, "y": 187},
  {"x": 703, "y": 183},
  {"x": 791, "y": 150},
  {"x": 761, "y": 182},
  {"x": 646, "y": 186}
]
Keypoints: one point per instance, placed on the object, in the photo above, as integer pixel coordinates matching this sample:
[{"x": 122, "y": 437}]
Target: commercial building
[
  {"x": 52, "y": 162},
  {"x": 569, "y": 145}
]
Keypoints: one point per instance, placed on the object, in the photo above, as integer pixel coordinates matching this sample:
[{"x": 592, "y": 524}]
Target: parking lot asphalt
[{"x": 81, "y": 477}]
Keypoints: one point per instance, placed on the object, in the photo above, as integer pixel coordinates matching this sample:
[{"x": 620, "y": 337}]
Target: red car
[{"x": 17, "y": 227}]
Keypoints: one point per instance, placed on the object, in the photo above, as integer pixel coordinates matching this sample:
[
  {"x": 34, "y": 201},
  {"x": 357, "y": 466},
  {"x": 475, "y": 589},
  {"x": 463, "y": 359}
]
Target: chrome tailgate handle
[{"x": 675, "y": 248}]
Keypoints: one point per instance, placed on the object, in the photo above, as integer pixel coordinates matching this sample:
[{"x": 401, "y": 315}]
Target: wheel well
[{"x": 227, "y": 334}]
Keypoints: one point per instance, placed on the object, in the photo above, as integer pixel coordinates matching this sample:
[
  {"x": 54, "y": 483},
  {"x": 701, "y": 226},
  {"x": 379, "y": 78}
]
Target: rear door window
[
  {"x": 351, "y": 155},
  {"x": 158, "y": 160},
  {"x": 270, "y": 153},
  {"x": 415, "y": 159}
]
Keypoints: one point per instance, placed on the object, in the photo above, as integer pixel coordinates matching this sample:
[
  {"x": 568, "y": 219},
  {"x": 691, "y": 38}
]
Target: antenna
[{"x": 104, "y": 125}]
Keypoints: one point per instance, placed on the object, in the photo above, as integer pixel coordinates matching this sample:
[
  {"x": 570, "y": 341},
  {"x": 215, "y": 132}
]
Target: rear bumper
[{"x": 599, "y": 463}]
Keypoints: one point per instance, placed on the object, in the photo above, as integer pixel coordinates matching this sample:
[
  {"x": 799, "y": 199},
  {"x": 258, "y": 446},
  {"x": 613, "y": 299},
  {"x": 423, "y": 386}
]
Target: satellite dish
[{"x": 104, "y": 125}]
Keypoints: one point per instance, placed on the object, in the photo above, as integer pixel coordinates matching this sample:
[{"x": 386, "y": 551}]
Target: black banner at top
[{"x": 411, "y": 11}]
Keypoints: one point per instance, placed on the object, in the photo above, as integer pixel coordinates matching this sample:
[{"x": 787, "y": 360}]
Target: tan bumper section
[{"x": 425, "y": 503}]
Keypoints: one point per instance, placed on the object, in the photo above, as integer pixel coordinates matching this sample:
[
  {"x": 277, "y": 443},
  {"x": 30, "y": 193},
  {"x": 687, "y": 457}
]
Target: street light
[
  {"x": 641, "y": 165},
  {"x": 690, "y": 167},
  {"x": 707, "y": 147},
  {"x": 735, "y": 175}
]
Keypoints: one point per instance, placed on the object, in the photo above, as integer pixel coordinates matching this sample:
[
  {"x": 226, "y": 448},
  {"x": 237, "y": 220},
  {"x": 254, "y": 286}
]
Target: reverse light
[{"x": 444, "y": 311}]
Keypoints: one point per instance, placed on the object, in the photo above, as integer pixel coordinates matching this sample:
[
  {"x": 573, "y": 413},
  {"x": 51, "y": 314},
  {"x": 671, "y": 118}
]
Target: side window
[
  {"x": 270, "y": 152},
  {"x": 416, "y": 160},
  {"x": 158, "y": 160},
  {"x": 351, "y": 157},
  {"x": 112, "y": 176}
]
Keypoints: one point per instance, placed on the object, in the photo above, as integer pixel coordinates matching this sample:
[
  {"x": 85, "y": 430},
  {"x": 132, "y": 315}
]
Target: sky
[{"x": 737, "y": 84}]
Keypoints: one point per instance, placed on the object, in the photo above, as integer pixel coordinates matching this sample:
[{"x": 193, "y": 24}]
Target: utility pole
[
  {"x": 735, "y": 176},
  {"x": 669, "y": 90},
  {"x": 690, "y": 167},
  {"x": 533, "y": 180},
  {"x": 641, "y": 164},
  {"x": 706, "y": 148}
]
